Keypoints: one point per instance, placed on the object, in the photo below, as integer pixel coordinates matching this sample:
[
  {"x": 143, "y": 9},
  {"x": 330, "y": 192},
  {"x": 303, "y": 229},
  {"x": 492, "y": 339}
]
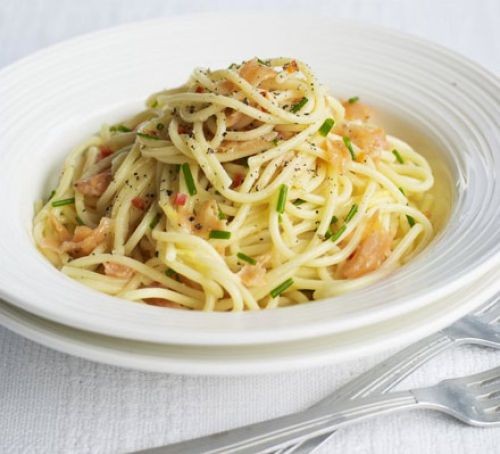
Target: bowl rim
[{"x": 163, "y": 359}]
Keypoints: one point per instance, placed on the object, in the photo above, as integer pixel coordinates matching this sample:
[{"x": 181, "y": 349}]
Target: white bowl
[{"x": 444, "y": 104}]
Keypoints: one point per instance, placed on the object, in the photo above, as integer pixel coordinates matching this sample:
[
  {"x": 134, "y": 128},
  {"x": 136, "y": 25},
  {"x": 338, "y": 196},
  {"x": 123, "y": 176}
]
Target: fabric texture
[{"x": 54, "y": 403}]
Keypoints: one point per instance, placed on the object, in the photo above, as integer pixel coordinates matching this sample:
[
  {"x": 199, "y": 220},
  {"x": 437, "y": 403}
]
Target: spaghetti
[{"x": 245, "y": 188}]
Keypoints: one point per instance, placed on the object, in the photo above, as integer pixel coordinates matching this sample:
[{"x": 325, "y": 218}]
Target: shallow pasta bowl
[{"x": 444, "y": 105}]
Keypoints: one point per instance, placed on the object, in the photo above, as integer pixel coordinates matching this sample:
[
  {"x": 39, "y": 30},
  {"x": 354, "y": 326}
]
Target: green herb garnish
[
  {"x": 353, "y": 99},
  {"x": 160, "y": 126},
  {"x": 411, "y": 220},
  {"x": 402, "y": 192},
  {"x": 352, "y": 212},
  {"x": 120, "y": 128},
  {"x": 79, "y": 220},
  {"x": 298, "y": 202},
  {"x": 219, "y": 234},
  {"x": 280, "y": 206},
  {"x": 52, "y": 194},
  {"x": 154, "y": 221},
  {"x": 399, "y": 158},
  {"x": 147, "y": 136},
  {"x": 188, "y": 178},
  {"x": 296, "y": 107},
  {"x": 348, "y": 144},
  {"x": 281, "y": 288},
  {"x": 265, "y": 63},
  {"x": 221, "y": 215},
  {"x": 338, "y": 233},
  {"x": 246, "y": 258},
  {"x": 333, "y": 220},
  {"x": 326, "y": 126},
  {"x": 155, "y": 103},
  {"x": 170, "y": 272},
  {"x": 63, "y": 202}
]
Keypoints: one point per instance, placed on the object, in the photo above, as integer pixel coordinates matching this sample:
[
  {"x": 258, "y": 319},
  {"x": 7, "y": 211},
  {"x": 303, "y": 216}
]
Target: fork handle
[
  {"x": 381, "y": 378},
  {"x": 267, "y": 436},
  {"x": 388, "y": 373}
]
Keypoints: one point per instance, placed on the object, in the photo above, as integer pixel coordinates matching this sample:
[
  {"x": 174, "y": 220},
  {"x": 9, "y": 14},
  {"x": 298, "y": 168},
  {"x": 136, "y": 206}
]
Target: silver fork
[
  {"x": 477, "y": 328},
  {"x": 473, "y": 329},
  {"x": 474, "y": 399}
]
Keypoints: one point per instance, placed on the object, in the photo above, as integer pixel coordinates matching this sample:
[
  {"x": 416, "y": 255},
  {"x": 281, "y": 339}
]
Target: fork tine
[
  {"x": 488, "y": 393},
  {"x": 486, "y": 378},
  {"x": 491, "y": 405},
  {"x": 490, "y": 311}
]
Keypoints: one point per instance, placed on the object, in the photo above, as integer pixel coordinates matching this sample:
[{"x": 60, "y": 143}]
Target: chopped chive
[
  {"x": 326, "y": 126},
  {"x": 298, "y": 202},
  {"x": 155, "y": 103},
  {"x": 411, "y": 220},
  {"x": 160, "y": 126},
  {"x": 399, "y": 158},
  {"x": 170, "y": 272},
  {"x": 352, "y": 212},
  {"x": 79, "y": 220},
  {"x": 280, "y": 206},
  {"x": 52, "y": 194},
  {"x": 63, "y": 202},
  {"x": 265, "y": 63},
  {"x": 402, "y": 192},
  {"x": 219, "y": 234},
  {"x": 338, "y": 233},
  {"x": 147, "y": 136},
  {"x": 275, "y": 142},
  {"x": 188, "y": 177},
  {"x": 221, "y": 215},
  {"x": 119, "y": 128},
  {"x": 348, "y": 144},
  {"x": 328, "y": 233},
  {"x": 333, "y": 220},
  {"x": 280, "y": 219},
  {"x": 296, "y": 107},
  {"x": 281, "y": 288},
  {"x": 353, "y": 99},
  {"x": 246, "y": 258},
  {"x": 155, "y": 221}
]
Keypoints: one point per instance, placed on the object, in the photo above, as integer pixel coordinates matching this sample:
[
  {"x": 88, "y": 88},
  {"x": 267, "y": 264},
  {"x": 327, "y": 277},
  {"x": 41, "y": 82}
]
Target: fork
[
  {"x": 473, "y": 399},
  {"x": 476, "y": 328},
  {"x": 472, "y": 329}
]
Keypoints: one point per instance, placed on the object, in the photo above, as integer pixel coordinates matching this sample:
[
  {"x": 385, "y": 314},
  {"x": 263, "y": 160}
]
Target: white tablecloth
[{"x": 51, "y": 402}]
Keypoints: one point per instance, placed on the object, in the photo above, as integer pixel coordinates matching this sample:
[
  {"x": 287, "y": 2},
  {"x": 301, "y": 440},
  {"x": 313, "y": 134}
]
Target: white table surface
[{"x": 54, "y": 403}]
